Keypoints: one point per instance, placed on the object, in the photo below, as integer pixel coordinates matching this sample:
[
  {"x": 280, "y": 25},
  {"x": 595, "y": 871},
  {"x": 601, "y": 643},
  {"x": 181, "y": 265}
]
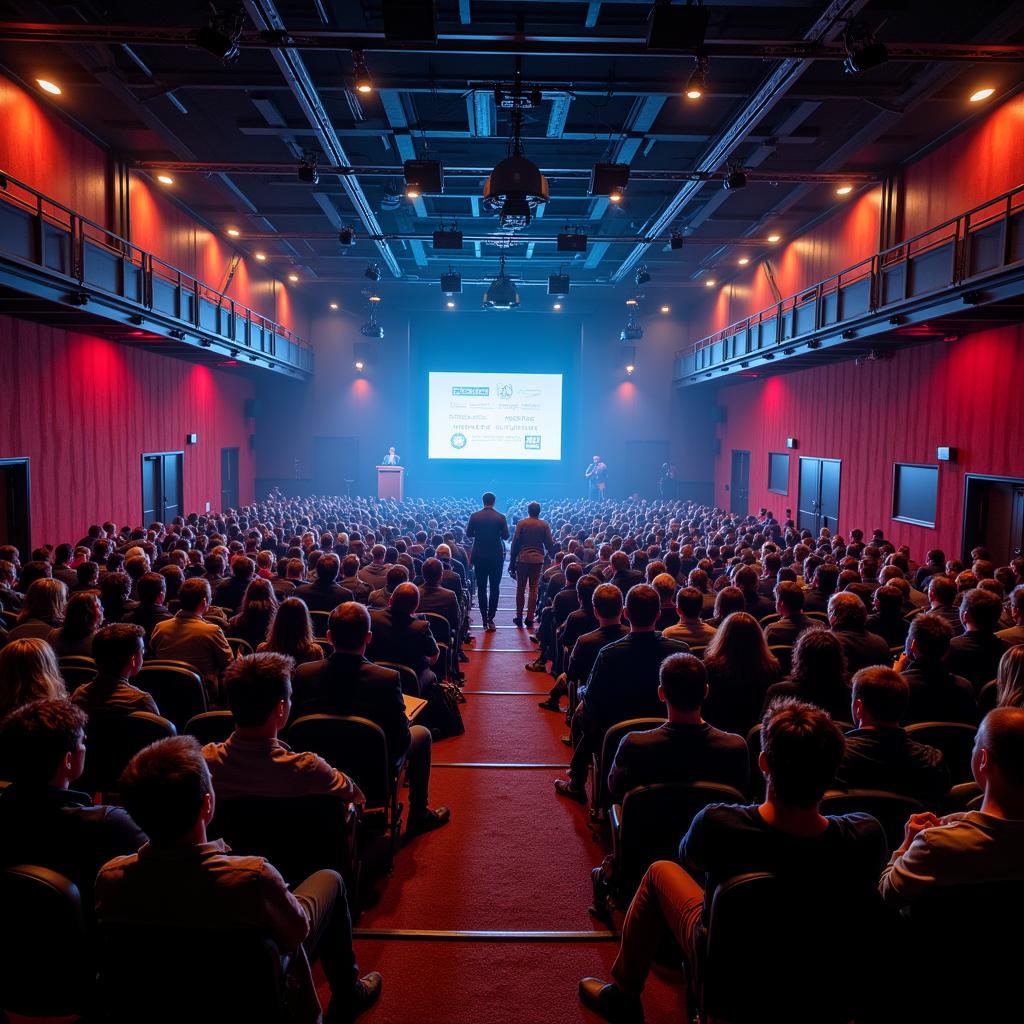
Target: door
[
  {"x": 739, "y": 486},
  {"x": 993, "y": 517},
  {"x": 644, "y": 460},
  {"x": 818, "y": 498},
  {"x": 162, "y": 483},
  {"x": 15, "y": 506},
  {"x": 228, "y": 478},
  {"x": 335, "y": 464}
]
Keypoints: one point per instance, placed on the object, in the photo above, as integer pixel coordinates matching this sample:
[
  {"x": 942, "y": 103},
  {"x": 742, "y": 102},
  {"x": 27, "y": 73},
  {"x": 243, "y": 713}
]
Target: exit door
[
  {"x": 818, "y": 500},
  {"x": 15, "y": 509},
  {"x": 739, "y": 485},
  {"x": 228, "y": 478},
  {"x": 162, "y": 486}
]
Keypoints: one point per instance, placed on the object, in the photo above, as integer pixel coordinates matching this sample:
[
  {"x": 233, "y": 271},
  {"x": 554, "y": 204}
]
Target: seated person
[
  {"x": 291, "y": 633},
  {"x": 28, "y": 671},
  {"x": 847, "y": 617},
  {"x": 690, "y": 627},
  {"x": 975, "y": 655},
  {"x": 665, "y": 585},
  {"x": 252, "y": 761},
  {"x": 374, "y": 574},
  {"x": 324, "y": 594},
  {"x": 879, "y": 753},
  {"x": 786, "y": 835},
  {"x": 348, "y": 684},
  {"x": 789, "y": 603},
  {"x": 942, "y": 599},
  {"x": 610, "y": 627},
  {"x": 818, "y": 675},
  {"x": 581, "y": 621},
  {"x": 252, "y": 621},
  {"x": 230, "y": 592},
  {"x": 152, "y": 593},
  {"x": 1014, "y": 635},
  {"x": 685, "y": 748},
  {"x": 936, "y": 695},
  {"x": 350, "y": 580},
  {"x": 622, "y": 684},
  {"x": 439, "y": 599},
  {"x": 42, "y": 819},
  {"x": 379, "y": 598},
  {"x": 180, "y": 880},
  {"x": 84, "y": 615},
  {"x": 887, "y": 618},
  {"x": 399, "y": 637},
  {"x": 42, "y": 611},
  {"x": 118, "y": 653}
]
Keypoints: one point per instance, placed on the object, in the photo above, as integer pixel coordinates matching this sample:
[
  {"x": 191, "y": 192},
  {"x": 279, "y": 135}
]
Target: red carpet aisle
[{"x": 515, "y": 861}]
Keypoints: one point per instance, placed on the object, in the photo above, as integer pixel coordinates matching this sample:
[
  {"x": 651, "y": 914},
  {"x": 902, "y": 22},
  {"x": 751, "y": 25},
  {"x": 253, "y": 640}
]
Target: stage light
[
  {"x": 501, "y": 294},
  {"x": 234, "y": 232},
  {"x": 373, "y": 272},
  {"x": 451, "y": 305},
  {"x": 863, "y": 51},
  {"x": 609, "y": 180},
  {"x": 372, "y": 329},
  {"x": 844, "y": 190},
  {"x": 615, "y": 197},
  {"x": 165, "y": 179},
  {"x": 412, "y": 192},
  {"x": 373, "y": 297},
  {"x": 47, "y": 86},
  {"x": 666, "y": 309},
  {"x": 293, "y": 278},
  {"x": 359, "y": 364},
  {"x": 976, "y": 97},
  {"x": 632, "y": 331},
  {"x": 632, "y": 302},
  {"x": 557, "y": 306},
  {"x": 361, "y": 75},
  {"x": 774, "y": 238},
  {"x": 630, "y": 367},
  {"x": 346, "y": 237},
  {"x": 571, "y": 241},
  {"x": 734, "y": 179},
  {"x": 743, "y": 261},
  {"x": 697, "y": 85},
  {"x": 676, "y": 240},
  {"x": 423, "y": 176},
  {"x": 642, "y": 275},
  {"x": 448, "y": 239},
  {"x": 307, "y": 172},
  {"x": 219, "y": 37},
  {"x": 709, "y": 283},
  {"x": 334, "y": 305},
  {"x": 261, "y": 256}
]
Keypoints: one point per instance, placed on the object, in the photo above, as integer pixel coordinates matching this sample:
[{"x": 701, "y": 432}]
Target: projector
[{"x": 372, "y": 330}]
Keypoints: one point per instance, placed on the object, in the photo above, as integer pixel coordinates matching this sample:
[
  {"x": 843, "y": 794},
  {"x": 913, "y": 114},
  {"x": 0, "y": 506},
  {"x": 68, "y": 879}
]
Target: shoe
[
  {"x": 517, "y": 622},
  {"x": 568, "y": 788},
  {"x": 427, "y": 821},
  {"x": 549, "y": 704},
  {"x": 537, "y": 666},
  {"x": 364, "y": 995},
  {"x": 490, "y": 627},
  {"x": 529, "y": 623},
  {"x": 533, "y": 638},
  {"x": 610, "y": 1002},
  {"x": 463, "y": 657},
  {"x": 567, "y": 740}
]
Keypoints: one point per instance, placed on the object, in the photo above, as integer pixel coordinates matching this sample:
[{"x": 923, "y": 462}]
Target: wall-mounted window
[
  {"x": 778, "y": 473},
  {"x": 915, "y": 493}
]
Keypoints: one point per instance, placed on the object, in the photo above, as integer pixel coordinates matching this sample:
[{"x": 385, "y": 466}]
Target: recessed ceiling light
[
  {"x": 359, "y": 364},
  {"x": 47, "y": 86},
  {"x": 976, "y": 97},
  {"x": 557, "y": 305},
  {"x": 743, "y": 261},
  {"x": 165, "y": 179},
  {"x": 293, "y": 277},
  {"x": 261, "y": 256},
  {"x": 666, "y": 309},
  {"x": 615, "y": 197},
  {"x": 334, "y": 305},
  {"x": 451, "y": 305},
  {"x": 709, "y": 283},
  {"x": 631, "y": 302},
  {"x": 234, "y": 232},
  {"x": 774, "y": 238},
  {"x": 844, "y": 190}
]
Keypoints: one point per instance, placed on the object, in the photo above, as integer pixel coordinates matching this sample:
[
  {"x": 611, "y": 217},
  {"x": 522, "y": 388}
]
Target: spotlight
[
  {"x": 557, "y": 306},
  {"x": 844, "y": 190},
  {"x": 558, "y": 284},
  {"x": 373, "y": 272},
  {"x": 372, "y": 329},
  {"x": 261, "y": 257},
  {"x": 676, "y": 240},
  {"x": 615, "y": 197},
  {"x": 361, "y": 354},
  {"x": 774, "y": 238},
  {"x": 632, "y": 331},
  {"x": 346, "y": 237},
  {"x": 423, "y": 176},
  {"x": 697, "y": 84},
  {"x": 220, "y": 38},
  {"x": 293, "y": 278},
  {"x": 308, "y": 173},
  {"x": 360, "y": 74},
  {"x": 630, "y": 367},
  {"x": 233, "y": 232},
  {"x": 642, "y": 275},
  {"x": 55, "y": 90},
  {"x": 165, "y": 179},
  {"x": 734, "y": 179},
  {"x": 976, "y": 97},
  {"x": 863, "y": 51},
  {"x": 709, "y": 283},
  {"x": 359, "y": 364},
  {"x": 373, "y": 297},
  {"x": 632, "y": 302},
  {"x": 451, "y": 305},
  {"x": 666, "y": 309},
  {"x": 412, "y": 191},
  {"x": 501, "y": 294},
  {"x": 609, "y": 180},
  {"x": 334, "y": 305},
  {"x": 743, "y": 261},
  {"x": 451, "y": 283}
]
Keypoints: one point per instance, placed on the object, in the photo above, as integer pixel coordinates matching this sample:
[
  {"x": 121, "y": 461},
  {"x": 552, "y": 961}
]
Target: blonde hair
[
  {"x": 28, "y": 671},
  {"x": 45, "y": 599},
  {"x": 1010, "y": 680}
]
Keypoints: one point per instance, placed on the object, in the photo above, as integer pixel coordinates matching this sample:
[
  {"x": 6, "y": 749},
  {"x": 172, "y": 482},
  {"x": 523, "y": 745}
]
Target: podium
[{"x": 390, "y": 482}]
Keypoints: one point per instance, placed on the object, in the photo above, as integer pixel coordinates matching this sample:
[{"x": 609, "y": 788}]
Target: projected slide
[{"x": 494, "y": 416}]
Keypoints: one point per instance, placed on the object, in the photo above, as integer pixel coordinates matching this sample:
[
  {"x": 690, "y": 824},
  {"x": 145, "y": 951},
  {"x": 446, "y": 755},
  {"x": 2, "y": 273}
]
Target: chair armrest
[{"x": 615, "y": 823}]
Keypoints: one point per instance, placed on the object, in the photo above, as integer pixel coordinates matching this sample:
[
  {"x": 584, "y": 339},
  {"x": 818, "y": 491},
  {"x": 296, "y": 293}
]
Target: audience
[
  {"x": 887, "y": 618},
  {"x": 291, "y": 633},
  {"x": 255, "y": 615},
  {"x": 118, "y": 651},
  {"x": 789, "y": 604},
  {"x": 83, "y": 616},
  {"x": 1009, "y": 679},
  {"x": 690, "y": 628},
  {"x": 818, "y": 675},
  {"x": 1014, "y": 634},
  {"x": 848, "y": 616},
  {"x": 324, "y": 594},
  {"x": 975, "y": 654},
  {"x": 28, "y": 671},
  {"x": 42, "y": 610},
  {"x": 936, "y": 695},
  {"x": 151, "y": 591}
]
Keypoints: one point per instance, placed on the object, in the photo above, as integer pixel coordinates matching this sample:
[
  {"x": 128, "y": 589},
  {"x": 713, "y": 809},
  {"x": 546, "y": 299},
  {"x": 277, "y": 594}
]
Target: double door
[
  {"x": 818, "y": 500},
  {"x": 162, "y": 483}
]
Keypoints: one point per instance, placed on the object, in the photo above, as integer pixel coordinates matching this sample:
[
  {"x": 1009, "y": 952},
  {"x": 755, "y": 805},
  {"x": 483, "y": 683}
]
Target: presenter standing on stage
[
  {"x": 392, "y": 458},
  {"x": 596, "y": 473},
  {"x": 489, "y": 529}
]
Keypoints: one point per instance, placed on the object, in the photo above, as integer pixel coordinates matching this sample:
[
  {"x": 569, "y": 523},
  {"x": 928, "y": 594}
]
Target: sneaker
[
  {"x": 364, "y": 995},
  {"x": 517, "y": 622},
  {"x": 568, "y": 788},
  {"x": 427, "y": 820},
  {"x": 490, "y": 627},
  {"x": 610, "y": 1002}
]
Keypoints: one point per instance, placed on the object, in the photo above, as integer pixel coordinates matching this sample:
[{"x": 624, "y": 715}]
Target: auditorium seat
[
  {"x": 602, "y": 760},
  {"x": 112, "y": 742},
  {"x": 210, "y": 726},
  {"x": 954, "y": 739},
  {"x": 891, "y": 809},
  {"x": 176, "y": 688}
]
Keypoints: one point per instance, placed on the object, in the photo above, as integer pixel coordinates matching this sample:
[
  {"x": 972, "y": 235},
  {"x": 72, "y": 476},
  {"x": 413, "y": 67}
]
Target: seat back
[
  {"x": 353, "y": 745},
  {"x": 76, "y": 669},
  {"x": 954, "y": 739},
  {"x": 756, "y": 785},
  {"x": 987, "y": 698},
  {"x": 10, "y": 619},
  {"x": 784, "y": 655},
  {"x": 46, "y": 958},
  {"x": 298, "y": 835},
  {"x": 210, "y": 727},
  {"x": 769, "y": 619},
  {"x": 178, "y": 691},
  {"x": 326, "y": 646},
  {"x": 609, "y": 745},
  {"x": 112, "y": 740},
  {"x": 239, "y": 648},
  {"x": 890, "y": 809},
  {"x": 410, "y": 681},
  {"x": 819, "y": 616},
  {"x": 654, "y": 820},
  {"x": 165, "y": 975},
  {"x": 320, "y": 621}
]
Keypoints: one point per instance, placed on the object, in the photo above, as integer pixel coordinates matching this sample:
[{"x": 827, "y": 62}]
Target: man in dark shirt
[
  {"x": 531, "y": 542},
  {"x": 665, "y": 585},
  {"x": 488, "y": 529},
  {"x": 1014, "y": 635},
  {"x": 756, "y": 605},
  {"x": 118, "y": 652},
  {"x": 399, "y": 637},
  {"x": 887, "y": 619},
  {"x": 229, "y": 593},
  {"x": 786, "y": 836},
  {"x": 610, "y": 627},
  {"x": 350, "y": 580},
  {"x": 42, "y": 820},
  {"x": 879, "y": 753},
  {"x": 935, "y": 566},
  {"x": 324, "y": 594},
  {"x": 942, "y": 595},
  {"x": 581, "y": 621},
  {"x": 976, "y": 654},
  {"x": 622, "y": 684},
  {"x": 789, "y": 603},
  {"x": 374, "y": 574},
  {"x": 824, "y": 582},
  {"x": 152, "y": 590},
  {"x": 685, "y": 748},
  {"x": 435, "y": 598},
  {"x": 624, "y": 577},
  {"x": 936, "y": 695},
  {"x": 847, "y": 617}
]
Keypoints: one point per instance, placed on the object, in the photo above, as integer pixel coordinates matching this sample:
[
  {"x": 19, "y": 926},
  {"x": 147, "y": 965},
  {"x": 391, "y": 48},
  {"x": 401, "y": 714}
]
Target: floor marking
[{"x": 429, "y": 935}]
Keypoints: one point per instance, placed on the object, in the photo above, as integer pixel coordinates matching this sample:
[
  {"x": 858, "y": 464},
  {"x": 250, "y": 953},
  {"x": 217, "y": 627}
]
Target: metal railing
[
  {"x": 979, "y": 241},
  {"x": 57, "y": 238}
]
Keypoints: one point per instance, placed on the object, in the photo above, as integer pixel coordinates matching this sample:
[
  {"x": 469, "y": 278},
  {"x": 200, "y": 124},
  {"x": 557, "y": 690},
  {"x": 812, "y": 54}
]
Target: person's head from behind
[
  {"x": 888, "y": 602},
  {"x": 83, "y": 615},
  {"x": 42, "y": 744},
  {"x": 819, "y": 661},
  {"x": 689, "y": 602},
  {"x": 152, "y": 589},
  {"x": 350, "y": 566},
  {"x": 243, "y": 568},
  {"x": 377, "y": 553},
  {"x": 665, "y": 585},
  {"x": 404, "y": 600},
  {"x": 739, "y": 647},
  {"x": 118, "y": 650},
  {"x": 488, "y": 500},
  {"x": 789, "y": 598},
  {"x": 928, "y": 638},
  {"x": 682, "y": 683},
  {"x": 28, "y": 671},
  {"x": 608, "y": 604},
  {"x": 194, "y": 595},
  {"x": 643, "y": 605},
  {"x": 1010, "y": 679},
  {"x": 997, "y": 761},
  {"x": 980, "y": 611},
  {"x": 396, "y": 576},
  {"x": 585, "y": 587},
  {"x": 801, "y": 748},
  {"x": 533, "y": 509},
  {"x": 746, "y": 579},
  {"x": 327, "y": 568},
  {"x": 88, "y": 574},
  {"x": 349, "y": 627},
  {"x": 727, "y": 601},
  {"x": 291, "y": 629},
  {"x": 880, "y": 697},
  {"x": 166, "y": 788},
  {"x": 432, "y": 572},
  {"x": 846, "y": 611},
  {"x": 260, "y": 691},
  {"x": 45, "y": 600}
]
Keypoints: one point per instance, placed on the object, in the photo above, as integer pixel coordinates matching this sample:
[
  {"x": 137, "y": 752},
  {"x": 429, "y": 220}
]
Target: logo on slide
[
  {"x": 458, "y": 441},
  {"x": 531, "y": 441},
  {"x": 467, "y": 392},
  {"x": 505, "y": 391}
]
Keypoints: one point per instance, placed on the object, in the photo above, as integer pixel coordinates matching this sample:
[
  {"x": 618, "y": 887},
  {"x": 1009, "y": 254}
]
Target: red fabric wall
[
  {"x": 898, "y": 410},
  {"x": 84, "y": 409}
]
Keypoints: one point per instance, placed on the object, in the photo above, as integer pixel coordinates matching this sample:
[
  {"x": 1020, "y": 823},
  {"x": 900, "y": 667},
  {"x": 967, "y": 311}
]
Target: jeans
[
  {"x": 528, "y": 573},
  {"x": 488, "y": 574},
  {"x": 323, "y": 897}
]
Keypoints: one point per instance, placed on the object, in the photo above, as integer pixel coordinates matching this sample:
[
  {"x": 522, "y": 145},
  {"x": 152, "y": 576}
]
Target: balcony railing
[
  {"x": 973, "y": 244},
  {"x": 40, "y": 231}
]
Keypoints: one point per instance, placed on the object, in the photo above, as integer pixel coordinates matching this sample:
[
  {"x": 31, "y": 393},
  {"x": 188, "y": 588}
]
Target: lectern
[{"x": 389, "y": 482}]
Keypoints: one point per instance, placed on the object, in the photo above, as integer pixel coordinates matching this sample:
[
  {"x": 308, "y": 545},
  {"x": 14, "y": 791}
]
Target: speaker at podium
[{"x": 390, "y": 482}]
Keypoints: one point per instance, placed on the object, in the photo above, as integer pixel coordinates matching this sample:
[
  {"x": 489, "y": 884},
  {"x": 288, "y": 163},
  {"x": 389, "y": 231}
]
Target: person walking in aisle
[
  {"x": 530, "y": 542},
  {"x": 489, "y": 530}
]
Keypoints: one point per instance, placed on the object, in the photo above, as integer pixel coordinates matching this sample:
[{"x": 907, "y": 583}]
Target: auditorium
[{"x": 511, "y": 512}]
